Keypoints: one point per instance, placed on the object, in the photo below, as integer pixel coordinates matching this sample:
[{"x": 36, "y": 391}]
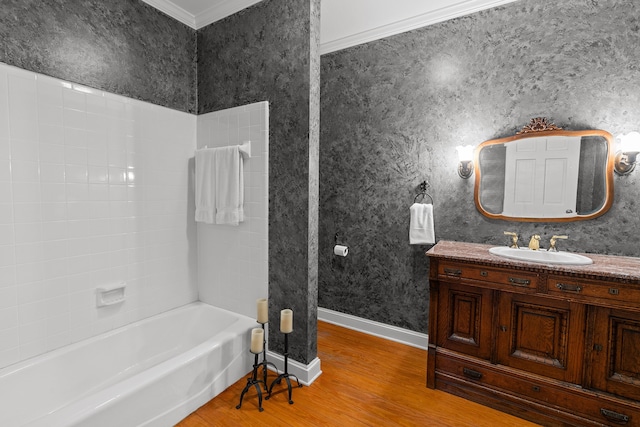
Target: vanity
[{"x": 554, "y": 344}]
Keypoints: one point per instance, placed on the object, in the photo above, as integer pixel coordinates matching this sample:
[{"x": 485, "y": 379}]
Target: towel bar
[{"x": 245, "y": 149}]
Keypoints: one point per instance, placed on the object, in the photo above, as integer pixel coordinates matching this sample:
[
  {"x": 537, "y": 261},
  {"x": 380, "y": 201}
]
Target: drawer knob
[
  {"x": 614, "y": 416},
  {"x": 614, "y": 291},
  {"x": 474, "y": 375},
  {"x": 568, "y": 288},
  {"x": 452, "y": 271}
]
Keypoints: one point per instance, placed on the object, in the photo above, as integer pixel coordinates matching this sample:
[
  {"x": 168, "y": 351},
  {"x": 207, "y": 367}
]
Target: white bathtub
[{"x": 153, "y": 372}]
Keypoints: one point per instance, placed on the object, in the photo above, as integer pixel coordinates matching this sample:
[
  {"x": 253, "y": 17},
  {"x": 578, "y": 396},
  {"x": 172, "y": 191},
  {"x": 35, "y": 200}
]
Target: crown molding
[
  {"x": 220, "y": 10},
  {"x": 433, "y": 17},
  {"x": 176, "y": 12},
  {"x": 223, "y": 8}
]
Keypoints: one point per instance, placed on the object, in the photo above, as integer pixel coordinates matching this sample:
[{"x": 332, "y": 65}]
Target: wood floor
[{"x": 365, "y": 381}]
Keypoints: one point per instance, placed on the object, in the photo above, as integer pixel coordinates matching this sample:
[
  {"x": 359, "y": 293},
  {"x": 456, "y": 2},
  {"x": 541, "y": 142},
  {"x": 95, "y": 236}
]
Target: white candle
[
  {"x": 263, "y": 310},
  {"x": 257, "y": 340},
  {"x": 286, "y": 321}
]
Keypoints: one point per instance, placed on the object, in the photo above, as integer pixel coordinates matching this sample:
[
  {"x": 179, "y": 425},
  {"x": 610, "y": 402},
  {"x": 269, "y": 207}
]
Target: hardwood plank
[{"x": 365, "y": 381}]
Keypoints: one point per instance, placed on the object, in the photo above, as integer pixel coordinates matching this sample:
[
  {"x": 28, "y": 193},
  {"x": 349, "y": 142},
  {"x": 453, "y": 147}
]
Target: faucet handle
[
  {"x": 514, "y": 239},
  {"x": 552, "y": 242}
]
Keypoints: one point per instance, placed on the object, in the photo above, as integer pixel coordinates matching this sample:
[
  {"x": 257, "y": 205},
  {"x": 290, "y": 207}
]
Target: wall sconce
[
  {"x": 626, "y": 157},
  {"x": 465, "y": 156}
]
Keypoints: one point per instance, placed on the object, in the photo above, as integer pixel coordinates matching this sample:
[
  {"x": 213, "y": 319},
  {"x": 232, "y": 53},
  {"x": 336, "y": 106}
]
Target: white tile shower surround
[
  {"x": 94, "y": 189},
  {"x": 232, "y": 261}
]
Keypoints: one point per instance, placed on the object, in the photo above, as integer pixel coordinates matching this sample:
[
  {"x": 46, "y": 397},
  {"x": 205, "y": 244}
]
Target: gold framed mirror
[{"x": 545, "y": 174}]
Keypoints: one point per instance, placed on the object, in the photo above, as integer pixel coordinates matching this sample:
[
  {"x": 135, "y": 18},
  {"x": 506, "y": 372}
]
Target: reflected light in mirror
[
  {"x": 626, "y": 157},
  {"x": 465, "y": 158}
]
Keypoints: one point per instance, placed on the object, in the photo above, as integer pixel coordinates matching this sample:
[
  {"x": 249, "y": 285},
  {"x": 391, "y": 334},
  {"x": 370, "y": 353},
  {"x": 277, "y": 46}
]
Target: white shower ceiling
[{"x": 344, "y": 23}]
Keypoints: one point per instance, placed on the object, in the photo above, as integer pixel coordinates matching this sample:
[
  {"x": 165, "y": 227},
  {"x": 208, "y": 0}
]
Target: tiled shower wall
[
  {"x": 232, "y": 261},
  {"x": 94, "y": 191}
]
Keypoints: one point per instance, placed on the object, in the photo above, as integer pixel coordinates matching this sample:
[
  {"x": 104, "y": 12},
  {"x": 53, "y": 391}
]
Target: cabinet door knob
[{"x": 503, "y": 328}]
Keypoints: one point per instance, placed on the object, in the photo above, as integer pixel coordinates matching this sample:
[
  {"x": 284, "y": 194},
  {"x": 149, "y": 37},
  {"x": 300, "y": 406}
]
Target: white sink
[{"x": 541, "y": 256}]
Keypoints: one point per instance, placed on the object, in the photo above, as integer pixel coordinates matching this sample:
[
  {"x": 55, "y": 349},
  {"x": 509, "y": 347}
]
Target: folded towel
[
  {"x": 421, "y": 231},
  {"x": 229, "y": 185},
  {"x": 219, "y": 186},
  {"x": 205, "y": 186}
]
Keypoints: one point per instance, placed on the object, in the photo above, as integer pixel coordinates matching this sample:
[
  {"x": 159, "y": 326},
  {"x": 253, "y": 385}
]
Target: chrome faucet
[
  {"x": 514, "y": 239},
  {"x": 552, "y": 242},
  {"x": 534, "y": 243}
]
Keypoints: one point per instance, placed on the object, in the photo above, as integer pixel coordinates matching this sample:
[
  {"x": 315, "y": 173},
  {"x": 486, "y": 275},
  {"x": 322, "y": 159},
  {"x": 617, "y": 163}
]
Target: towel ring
[
  {"x": 415, "y": 199},
  {"x": 423, "y": 192}
]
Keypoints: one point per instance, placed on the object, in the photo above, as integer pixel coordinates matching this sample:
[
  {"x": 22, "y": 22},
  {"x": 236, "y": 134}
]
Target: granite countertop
[{"x": 604, "y": 266}]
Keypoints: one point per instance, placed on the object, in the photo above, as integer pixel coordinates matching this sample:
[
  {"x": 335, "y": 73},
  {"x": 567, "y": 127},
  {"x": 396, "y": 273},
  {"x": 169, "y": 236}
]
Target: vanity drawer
[
  {"x": 547, "y": 395},
  {"x": 586, "y": 290},
  {"x": 540, "y": 391},
  {"x": 511, "y": 280}
]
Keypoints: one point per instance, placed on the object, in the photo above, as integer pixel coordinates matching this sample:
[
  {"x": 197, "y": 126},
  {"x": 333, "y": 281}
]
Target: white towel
[
  {"x": 421, "y": 231},
  {"x": 219, "y": 186},
  {"x": 205, "y": 186},
  {"x": 229, "y": 185}
]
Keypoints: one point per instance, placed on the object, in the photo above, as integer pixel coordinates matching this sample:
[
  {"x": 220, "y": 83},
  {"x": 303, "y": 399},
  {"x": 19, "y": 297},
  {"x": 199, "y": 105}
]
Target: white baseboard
[
  {"x": 393, "y": 333},
  {"x": 307, "y": 374}
]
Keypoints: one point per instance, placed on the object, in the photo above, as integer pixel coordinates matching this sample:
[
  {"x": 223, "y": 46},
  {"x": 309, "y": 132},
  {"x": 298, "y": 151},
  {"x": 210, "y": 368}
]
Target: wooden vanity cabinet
[
  {"x": 555, "y": 345},
  {"x": 615, "y": 357},
  {"x": 466, "y": 319},
  {"x": 541, "y": 336}
]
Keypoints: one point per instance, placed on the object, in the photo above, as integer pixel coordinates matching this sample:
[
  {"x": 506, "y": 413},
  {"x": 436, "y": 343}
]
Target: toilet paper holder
[{"x": 339, "y": 249}]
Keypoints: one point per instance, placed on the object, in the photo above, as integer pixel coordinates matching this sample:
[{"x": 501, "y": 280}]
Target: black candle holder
[
  {"x": 265, "y": 363},
  {"x": 253, "y": 381},
  {"x": 285, "y": 375}
]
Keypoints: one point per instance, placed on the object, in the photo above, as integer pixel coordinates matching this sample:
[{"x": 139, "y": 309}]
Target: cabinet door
[
  {"x": 615, "y": 357},
  {"x": 464, "y": 319},
  {"x": 541, "y": 335}
]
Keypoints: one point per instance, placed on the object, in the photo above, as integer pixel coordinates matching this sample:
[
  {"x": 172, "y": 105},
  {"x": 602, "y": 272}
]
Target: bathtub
[{"x": 153, "y": 372}]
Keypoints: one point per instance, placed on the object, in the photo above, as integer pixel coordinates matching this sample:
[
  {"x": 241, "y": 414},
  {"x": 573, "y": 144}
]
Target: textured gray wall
[
  {"x": 393, "y": 111},
  {"x": 265, "y": 53},
  {"x": 121, "y": 46}
]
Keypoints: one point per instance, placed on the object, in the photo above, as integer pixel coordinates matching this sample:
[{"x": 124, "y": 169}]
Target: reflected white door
[{"x": 541, "y": 177}]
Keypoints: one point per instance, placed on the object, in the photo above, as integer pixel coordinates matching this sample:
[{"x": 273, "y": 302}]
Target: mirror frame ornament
[{"x": 540, "y": 126}]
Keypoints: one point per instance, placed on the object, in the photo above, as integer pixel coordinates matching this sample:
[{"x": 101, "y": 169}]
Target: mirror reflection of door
[
  {"x": 548, "y": 172},
  {"x": 541, "y": 177}
]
